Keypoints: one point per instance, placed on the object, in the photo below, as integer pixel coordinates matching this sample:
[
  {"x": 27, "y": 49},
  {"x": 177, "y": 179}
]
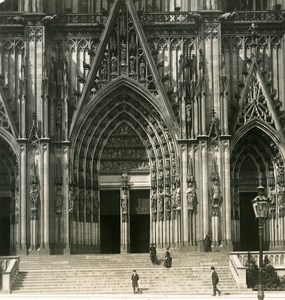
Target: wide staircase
[{"x": 111, "y": 274}]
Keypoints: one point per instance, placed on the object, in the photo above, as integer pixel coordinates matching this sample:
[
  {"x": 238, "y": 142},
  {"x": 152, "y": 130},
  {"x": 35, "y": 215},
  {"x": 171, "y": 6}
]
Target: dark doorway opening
[
  {"x": 248, "y": 223},
  {"x": 110, "y": 229},
  {"x": 4, "y": 225},
  {"x": 139, "y": 221}
]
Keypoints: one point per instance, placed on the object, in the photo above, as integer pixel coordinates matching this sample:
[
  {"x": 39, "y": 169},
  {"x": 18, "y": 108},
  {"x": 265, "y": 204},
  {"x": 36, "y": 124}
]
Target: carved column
[
  {"x": 227, "y": 192},
  {"x": 36, "y": 210},
  {"x": 205, "y": 194},
  {"x": 23, "y": 197},
  {"x": 46, "y": 200},
  {"x": 185, "y": 218},
  {"x": 67, "y": 205}
]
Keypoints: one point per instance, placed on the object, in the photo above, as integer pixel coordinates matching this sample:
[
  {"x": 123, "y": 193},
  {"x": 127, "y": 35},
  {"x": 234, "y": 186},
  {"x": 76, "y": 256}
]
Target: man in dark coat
[
  {"x": 135, "y": 278},
  {"x": 215, "y": 281}
]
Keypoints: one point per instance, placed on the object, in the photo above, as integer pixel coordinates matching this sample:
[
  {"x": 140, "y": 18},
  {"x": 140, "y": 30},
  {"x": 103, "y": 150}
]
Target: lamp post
[{"x": 260, "y": 206}]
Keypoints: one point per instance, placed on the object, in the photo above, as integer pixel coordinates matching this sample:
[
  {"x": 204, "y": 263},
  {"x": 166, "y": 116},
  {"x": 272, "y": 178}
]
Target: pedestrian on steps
[
  {"x": 153, "y": 257},
  {"x": 168, "y": 259},
  {"x": 207, "y": 243},
  {"x": 215, "y": 281},
  {"x": 135, "y": 281}
]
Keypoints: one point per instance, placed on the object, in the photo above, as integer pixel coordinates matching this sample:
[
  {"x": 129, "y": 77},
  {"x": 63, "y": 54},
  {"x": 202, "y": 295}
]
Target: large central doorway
[
  {"x": 110, "y": 228},
  {"x": 139, "y": 221},
  {"x": 248, "y": 223}
]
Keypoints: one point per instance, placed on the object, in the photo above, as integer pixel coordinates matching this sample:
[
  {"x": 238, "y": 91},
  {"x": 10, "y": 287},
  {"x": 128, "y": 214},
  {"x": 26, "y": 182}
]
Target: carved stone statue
[
  {"x": 124, "y": 180},
  {"x": 216, "y": 194},
  {"x": 34, "y": 197},
  {"x": 167, "y": 199},
  {"x": 272, "y": 195},
  {"x": 142, "y": 70},
  {"x": 178, "y": 197},
  {"x": 114, "y": 64},
  {"x": 124, "y": 201},
  {"x": 104, "y": 69},
  {"x": 160, "y": 200},
  {"x": 71, "y": 198},
  {"x": 123, "y": 54},
  {"x": 132, "y": 64},
  {"x": 191, "y": 196},
  {"x": 154, "y": 201}
]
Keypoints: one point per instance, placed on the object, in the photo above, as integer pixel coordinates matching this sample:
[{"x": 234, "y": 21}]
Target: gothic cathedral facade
[{"x": 125, "y": 123}]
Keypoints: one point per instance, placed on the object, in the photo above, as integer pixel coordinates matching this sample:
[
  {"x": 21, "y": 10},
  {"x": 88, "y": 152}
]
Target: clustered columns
[
  {"x": 165, "y": 205},
  {"x": 34, "y": 162}
]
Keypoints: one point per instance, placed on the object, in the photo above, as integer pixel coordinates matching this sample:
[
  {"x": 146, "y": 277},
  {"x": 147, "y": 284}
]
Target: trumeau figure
[
  {"x": 124, "y": 201},
  {"x": 125, "y": 180}
]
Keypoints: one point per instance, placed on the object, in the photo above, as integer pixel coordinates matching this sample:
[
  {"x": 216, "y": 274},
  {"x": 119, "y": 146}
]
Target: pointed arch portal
[
  {"x": 256, "y": 159},
  {"x": 9, "y": 199},
  {"x": 120, "y": 130}
]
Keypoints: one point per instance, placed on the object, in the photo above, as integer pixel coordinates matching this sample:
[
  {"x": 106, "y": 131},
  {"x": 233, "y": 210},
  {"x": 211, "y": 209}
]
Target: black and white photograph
[{"x": 142, "y": 149}]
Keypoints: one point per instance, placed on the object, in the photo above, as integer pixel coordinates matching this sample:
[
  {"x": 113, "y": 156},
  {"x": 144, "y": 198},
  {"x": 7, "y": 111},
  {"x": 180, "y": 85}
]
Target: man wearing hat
[
  {"x": 215, "y": 281},
  {"x": 135, "y": 278}
]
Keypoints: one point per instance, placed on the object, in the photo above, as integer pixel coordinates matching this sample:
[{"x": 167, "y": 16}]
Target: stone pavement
[{"x": 267, "y": 296}]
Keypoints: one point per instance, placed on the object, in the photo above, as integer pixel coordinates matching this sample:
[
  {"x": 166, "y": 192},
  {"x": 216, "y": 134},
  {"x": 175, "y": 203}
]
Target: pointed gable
[
  {"x": 256, "y": 102},
  {"x": 122, "y": 52}
]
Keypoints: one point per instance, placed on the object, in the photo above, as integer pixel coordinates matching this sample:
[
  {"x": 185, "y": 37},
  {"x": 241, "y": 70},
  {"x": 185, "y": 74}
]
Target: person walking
[
  {"x": 215, "y": 281},
  {"x": 168, "y": 259},
  {"x": 135, "y": 278}
]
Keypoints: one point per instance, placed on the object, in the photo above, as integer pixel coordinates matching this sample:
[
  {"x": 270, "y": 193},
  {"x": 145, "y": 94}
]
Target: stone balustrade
[
  {"x": 276, "y": 257},
  {"x": 238, "y": 262},
  {"x": 9, "y": 271}
]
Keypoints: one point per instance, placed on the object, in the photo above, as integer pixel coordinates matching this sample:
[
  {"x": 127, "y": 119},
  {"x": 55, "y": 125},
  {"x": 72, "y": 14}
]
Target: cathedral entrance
[
  {"x": 4, "y": 225},
  {"x": 139, "y": 221},
  {"x": 110, "y": 228},
  {"x": 248, "y": 223}
]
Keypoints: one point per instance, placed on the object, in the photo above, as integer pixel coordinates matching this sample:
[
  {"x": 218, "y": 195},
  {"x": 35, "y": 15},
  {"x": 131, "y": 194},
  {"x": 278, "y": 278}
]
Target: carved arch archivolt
[{"x": 122, "y": 105}]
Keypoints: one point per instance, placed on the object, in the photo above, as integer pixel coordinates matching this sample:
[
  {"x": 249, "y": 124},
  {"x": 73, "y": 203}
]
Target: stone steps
[{"x": 108, "y": 274}]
